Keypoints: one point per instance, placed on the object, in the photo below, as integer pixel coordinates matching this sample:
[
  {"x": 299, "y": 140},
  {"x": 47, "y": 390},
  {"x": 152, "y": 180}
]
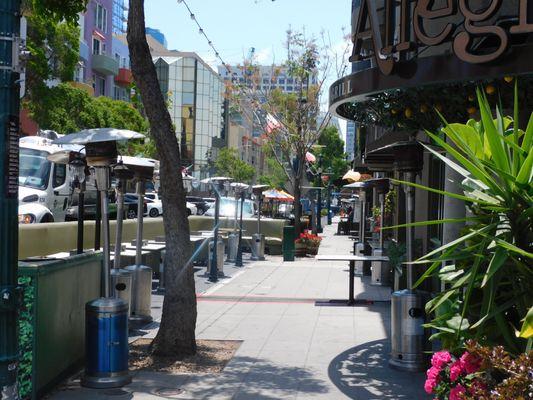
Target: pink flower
[
  {"x": 433, "y": 373},
  {"x": 430, "y": 385},
  {"x": 470, "y": 363},
  {"x": 455, "y": 370},
  {"x": 455, "y": 393},
  {"x": 440, "y": 359}
]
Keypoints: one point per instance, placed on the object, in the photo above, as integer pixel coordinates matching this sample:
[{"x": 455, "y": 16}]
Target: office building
[
  {"x": 157, "y": 35},
  {"x": 195, "y": 97}
]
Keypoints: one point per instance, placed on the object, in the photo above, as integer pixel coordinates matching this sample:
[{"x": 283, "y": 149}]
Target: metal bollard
[
  {"x": 258, "y": 247},
  {"x": 233, "y": 246}
]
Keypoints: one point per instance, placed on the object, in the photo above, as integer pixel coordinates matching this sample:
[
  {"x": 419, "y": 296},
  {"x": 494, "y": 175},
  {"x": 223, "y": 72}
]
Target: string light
[{"x": 202, "y": 32}]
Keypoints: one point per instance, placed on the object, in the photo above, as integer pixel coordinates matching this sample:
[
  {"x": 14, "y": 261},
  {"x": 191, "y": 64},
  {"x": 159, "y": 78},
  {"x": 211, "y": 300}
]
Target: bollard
[{"x": 288, "y": 243}]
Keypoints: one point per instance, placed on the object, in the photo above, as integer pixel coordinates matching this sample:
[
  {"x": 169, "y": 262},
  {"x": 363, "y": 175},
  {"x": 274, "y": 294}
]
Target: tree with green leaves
[
  {"x": 66, "y": 109},
  {"x": 331, "y": 155},
  {"x": 229, "y": 164},
  {"x": 289, "y": 120},
  {"x": 53, "y": 42},
  {"x": 274, "y": 175}
]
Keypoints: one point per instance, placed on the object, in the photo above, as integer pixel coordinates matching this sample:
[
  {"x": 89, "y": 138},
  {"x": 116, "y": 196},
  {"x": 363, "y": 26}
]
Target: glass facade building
[{"x": 195, "y": 99}]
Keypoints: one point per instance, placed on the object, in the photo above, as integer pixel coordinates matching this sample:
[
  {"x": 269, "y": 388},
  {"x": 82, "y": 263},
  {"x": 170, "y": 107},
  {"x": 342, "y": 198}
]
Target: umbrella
[
  {"x": 352, "y": 176},
  {"x": 310, "y": 157},
  {"x": 274, "y": 194},
  {"x": 289, "y": 196},
  {"x": 98, "y": 135}
]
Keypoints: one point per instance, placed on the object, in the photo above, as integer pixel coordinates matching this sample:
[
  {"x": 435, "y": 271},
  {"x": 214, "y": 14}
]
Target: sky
[{"x": 235, "y": 26}]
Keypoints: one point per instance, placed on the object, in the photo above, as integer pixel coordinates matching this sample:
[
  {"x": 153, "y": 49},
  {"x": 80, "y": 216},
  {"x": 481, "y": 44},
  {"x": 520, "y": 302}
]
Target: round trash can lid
[{"x": 107, "y": 304}]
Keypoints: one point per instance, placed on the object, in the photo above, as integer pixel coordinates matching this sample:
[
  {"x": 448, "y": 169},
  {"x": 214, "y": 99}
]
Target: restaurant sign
[{"x": 480, "y": 40}]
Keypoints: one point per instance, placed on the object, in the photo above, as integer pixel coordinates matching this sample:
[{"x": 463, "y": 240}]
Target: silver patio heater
[
  {"x": 379, "y": 274},
  {"x": 141, "y": 293},
  {"x": 121, "y": 279},
  {"x": 408, "y": 339},
  {"x": 359, "y": 246},
  {"x": 106, "y": 318},
  {"x": 258, "y": 239}
]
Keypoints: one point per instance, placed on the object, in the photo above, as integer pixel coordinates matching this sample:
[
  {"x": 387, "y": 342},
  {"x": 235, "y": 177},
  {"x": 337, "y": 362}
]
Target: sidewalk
[{"x": 291, "y": 349}]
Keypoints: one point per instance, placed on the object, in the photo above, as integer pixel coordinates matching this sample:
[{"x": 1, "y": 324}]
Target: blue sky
[{"x": 235, "y": 26}]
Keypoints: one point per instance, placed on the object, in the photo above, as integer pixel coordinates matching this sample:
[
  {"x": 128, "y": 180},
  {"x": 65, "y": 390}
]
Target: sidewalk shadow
[
  {"x": 243, "y": 378},
  {"x": 363, "y": 373}
]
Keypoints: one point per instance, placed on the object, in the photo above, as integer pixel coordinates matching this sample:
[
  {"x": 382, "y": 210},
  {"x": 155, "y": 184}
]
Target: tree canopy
[
  {"x": 66, "y": 109},
  {"x": 332, "y": 156},
  {"x": 229, "y": 164}
]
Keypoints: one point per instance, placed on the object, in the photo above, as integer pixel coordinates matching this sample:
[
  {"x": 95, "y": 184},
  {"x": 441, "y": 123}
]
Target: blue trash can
[{"x": 106, "y": 344}]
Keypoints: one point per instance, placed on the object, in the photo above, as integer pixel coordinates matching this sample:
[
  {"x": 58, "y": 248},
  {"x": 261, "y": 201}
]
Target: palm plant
[{"x": 489, "y": 276}]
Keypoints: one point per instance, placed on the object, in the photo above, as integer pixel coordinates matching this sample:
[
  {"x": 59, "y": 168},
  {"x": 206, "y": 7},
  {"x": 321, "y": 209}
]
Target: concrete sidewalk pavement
[{"x": 291, "y": 348}]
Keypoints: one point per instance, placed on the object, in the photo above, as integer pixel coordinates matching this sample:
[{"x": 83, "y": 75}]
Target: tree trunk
[{"x": 176, "y": 334}]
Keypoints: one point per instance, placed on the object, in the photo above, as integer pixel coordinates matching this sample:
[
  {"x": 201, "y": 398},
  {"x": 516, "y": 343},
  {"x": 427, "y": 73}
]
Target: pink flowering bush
[{"x": 480, "y": 373}]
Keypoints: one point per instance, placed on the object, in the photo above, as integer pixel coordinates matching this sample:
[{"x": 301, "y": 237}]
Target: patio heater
[
  {"x": 407, "y": 306},
  {"x": 106, "y": 318},
  {"x": 258, "y": 240},
  {"x": 77, "y": 165},
  {"x": 359, "y": 246},
  {"x": 141, "y": 293},
  {"x": 242, "y": 189},
  {"x": 379, "y": 274},
  {"x": 216, "y": 247},
  {"x": 233, "y": 237},
  {"x": 121, "y": 279}
]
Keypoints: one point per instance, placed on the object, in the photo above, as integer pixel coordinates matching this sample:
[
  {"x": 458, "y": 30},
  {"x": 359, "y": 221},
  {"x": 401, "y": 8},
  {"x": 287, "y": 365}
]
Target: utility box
[{"x": 288, "y": 243}]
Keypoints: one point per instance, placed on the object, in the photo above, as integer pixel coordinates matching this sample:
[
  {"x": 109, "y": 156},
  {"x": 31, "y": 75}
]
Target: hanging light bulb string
[{"x": 201, "y": 31}]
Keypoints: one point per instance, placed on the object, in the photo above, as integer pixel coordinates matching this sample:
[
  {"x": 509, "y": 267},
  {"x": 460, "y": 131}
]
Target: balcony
[
  {"x": 84, "y": 86},
  {"x": 104, "y": 64},
  {"x": 124, "y": 77}
]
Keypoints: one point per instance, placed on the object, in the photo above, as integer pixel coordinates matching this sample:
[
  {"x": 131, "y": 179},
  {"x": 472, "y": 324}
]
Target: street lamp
[
  {"x": 258, "y": 240},
  {"x": 240, "y": 190},
  {"x": 106, "y": 318}
]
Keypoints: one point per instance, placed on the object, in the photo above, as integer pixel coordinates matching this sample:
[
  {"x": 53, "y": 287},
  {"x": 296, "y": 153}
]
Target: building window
[
  {"x": 100, "y": 18},
  {"x": 281, "y": 81},
  {"x": 289, "y": 88},
  {"x": 99, "y": 86},
  {"x": 97, "y": 46}
]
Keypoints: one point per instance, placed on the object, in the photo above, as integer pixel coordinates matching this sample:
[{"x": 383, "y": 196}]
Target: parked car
[
  {"x": 155, "y": 206},
  {"x": 227, "y": 208},
  {"x": 130, "y": 205},
  {"x": 34, "y": 213},
  {"x": 72, "y": 211},
  {"x": 201, "y": 205}
]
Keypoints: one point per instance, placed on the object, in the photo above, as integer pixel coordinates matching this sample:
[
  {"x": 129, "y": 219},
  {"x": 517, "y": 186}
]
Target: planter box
[
  {"x": 300, "y": 250},
  {"x": 52, "y": 319}
]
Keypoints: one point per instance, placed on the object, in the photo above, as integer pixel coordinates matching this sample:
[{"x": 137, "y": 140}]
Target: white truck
[{"x": 44, "y": 186}]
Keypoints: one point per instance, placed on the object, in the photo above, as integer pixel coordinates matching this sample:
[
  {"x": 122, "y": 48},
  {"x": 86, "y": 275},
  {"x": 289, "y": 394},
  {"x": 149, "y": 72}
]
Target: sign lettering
[{"x": 419, "y": 15}]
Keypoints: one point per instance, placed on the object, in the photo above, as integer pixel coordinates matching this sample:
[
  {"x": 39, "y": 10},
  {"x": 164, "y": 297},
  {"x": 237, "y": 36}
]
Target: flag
[
  {"x": 310, "y": 157},
  {"x": 272, "y": 123}
]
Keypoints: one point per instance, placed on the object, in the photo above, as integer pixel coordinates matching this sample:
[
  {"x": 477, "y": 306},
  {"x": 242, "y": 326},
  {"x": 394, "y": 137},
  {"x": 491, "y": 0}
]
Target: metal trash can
[
  {"x": 258, "y": 247},
  {"x": 121, "y": 282},
  {"x": 359, "y": 250},
  {"x": 379, "y": 270},
  {"x": 220, "y": 256},
  {"x": 408, "y": 339},
  {"x": 233, "y": 246},
  {"x": 141, "y": 295},
  {"x": 288, "y": 243},
  {"x": 106, "y": 344}
]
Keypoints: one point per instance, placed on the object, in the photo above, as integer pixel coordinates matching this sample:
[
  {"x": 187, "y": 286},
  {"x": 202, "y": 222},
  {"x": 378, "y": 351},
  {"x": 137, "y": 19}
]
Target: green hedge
[{"x": 26, "y": 336}]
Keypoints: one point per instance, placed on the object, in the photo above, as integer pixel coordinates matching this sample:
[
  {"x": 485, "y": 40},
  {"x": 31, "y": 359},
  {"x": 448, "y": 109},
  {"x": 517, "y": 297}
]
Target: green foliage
[
  {"x": 26, "y": 322},
  {"x": 229, "y": 164},
  {"x": 53, "y": 41},
  {"x": 57, "y": 9},
  {"x": 490, "y": 281},
  {"x": 275, "y": 176},
  {"x": 66, "y": 109},
  {"x": 418, "y": 107},
  {"x": 332, "y": 156}
]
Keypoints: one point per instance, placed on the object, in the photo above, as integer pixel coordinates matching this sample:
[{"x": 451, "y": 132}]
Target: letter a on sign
[{"x": 368, "y": 28}]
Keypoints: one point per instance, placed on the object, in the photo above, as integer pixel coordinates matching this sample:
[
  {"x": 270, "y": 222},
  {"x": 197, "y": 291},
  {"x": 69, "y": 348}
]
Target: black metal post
[
  {"x": 213, "y": 272},
  {"x": 329, "y": 202},
  {"x": 9, "y": 136},
  {"x": 98, "y": 217},
  {"x": 238, "y": 260},
  {"x": 81, "y": 218},
  {"x": 319, "y": 206}
]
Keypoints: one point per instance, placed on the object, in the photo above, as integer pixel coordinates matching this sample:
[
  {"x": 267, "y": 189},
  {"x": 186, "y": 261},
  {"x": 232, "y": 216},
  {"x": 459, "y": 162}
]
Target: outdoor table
[{"x": 352, "y": 259}]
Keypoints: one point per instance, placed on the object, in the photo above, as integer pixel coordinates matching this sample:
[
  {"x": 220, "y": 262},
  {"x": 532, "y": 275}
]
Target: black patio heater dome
[{"x": 106, "y": 318}]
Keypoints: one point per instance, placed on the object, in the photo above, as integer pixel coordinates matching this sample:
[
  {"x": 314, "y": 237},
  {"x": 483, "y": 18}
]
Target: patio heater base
[
  {"x": 258, "y": 247},
  {"x": 115, "y": 380}
]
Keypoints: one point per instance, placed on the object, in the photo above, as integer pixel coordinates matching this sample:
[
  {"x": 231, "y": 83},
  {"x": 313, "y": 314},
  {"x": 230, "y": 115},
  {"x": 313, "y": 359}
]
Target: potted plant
[
  {"x": 488, "y": 279},
  {"x": 307, "y": 243}
]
